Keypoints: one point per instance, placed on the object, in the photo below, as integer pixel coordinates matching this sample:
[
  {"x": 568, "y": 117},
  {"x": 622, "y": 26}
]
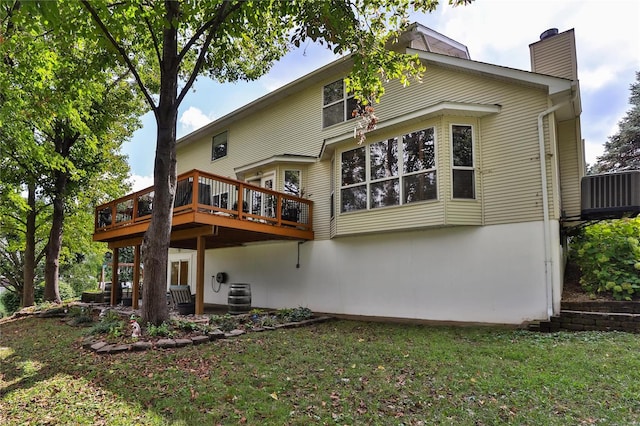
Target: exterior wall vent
[{"x": 610, "y": 196}]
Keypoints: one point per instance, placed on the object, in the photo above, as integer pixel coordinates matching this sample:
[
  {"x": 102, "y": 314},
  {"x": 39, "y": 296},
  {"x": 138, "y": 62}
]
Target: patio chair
[{"x": 182, "y": 299}]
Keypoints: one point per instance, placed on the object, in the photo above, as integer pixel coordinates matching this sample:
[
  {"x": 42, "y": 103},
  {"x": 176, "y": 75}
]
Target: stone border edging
[{"x": 103, "y": 348}]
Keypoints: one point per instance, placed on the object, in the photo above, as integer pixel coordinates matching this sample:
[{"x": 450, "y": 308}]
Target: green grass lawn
[{"x": 338, "y": 372}]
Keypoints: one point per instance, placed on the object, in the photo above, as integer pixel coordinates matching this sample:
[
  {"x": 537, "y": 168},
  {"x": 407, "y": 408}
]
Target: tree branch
[
  {"x": 123, "y": 54},
  {"x": 156, "y": 44},
  {"x": 222, "y": 14}
]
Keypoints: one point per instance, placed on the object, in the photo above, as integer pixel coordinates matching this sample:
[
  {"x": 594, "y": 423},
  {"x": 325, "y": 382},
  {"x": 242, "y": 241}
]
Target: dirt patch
[{"x": 572, "y": 290}]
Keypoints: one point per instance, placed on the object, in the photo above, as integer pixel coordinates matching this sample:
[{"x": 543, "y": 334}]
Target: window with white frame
[
  {"x": 219, "y": 145},
  {"x": 463, "y": 169},
  {"x": 337, "y": 104},
  {"x": 395, "y": 171}
]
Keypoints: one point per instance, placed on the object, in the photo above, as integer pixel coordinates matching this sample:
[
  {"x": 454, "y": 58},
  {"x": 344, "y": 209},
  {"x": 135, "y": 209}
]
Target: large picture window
[
  {"x": 389, "y": 173},
  {"x": 219, "y": 146},
  {"x": 337, "y": 104},
  {"x": 463, "y": 170}
]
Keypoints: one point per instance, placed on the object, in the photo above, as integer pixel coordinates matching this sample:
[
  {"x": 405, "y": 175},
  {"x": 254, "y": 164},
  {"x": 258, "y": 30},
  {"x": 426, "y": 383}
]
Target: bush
[
  {"x": 111, "y": 323},
  {"x": 608, "y": 254},
  {"x": 10, "y": 301},
  {"x": 66, "y": 291}
]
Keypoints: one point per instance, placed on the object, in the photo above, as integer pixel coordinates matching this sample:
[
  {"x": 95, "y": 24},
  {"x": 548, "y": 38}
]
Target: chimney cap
[{"x": 549, "y": 33}]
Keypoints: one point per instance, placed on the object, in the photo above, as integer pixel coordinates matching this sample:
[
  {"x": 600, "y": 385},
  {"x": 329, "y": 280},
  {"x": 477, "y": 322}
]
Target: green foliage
[
  {"x": 80, "y": 315},
  {"x": 66, "y": 291},
  {"x": 162, "y": 330},
  {"x": 188, "y": 326},
  {"x": 608, "y": 253},
  {"x": 294, "y": 314},
  {"x": 111, "y": 324},
  {"x": 225, "y": 322},
  {"x": 11, "y": 301},
  {"x": 622, "y": 150}
]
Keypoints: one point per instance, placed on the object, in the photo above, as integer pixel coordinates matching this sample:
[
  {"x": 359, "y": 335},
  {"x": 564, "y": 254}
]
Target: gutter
[{"x": 548, "y": 261}]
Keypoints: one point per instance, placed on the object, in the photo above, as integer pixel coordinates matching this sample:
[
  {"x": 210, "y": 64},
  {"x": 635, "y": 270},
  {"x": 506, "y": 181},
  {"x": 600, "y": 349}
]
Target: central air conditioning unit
[{"x": 611, "y": 195}]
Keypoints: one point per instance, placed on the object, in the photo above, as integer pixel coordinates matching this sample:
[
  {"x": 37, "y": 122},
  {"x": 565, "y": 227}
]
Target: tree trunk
[
  {"x": 52, "y": 262},
  {"x": 155, "y": 245},
  {"x": 28, "y": 273}
]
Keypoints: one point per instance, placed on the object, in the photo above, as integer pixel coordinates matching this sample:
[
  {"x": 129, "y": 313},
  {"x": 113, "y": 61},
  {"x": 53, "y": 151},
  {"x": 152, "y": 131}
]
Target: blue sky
[{"x": 495, "y": 31}]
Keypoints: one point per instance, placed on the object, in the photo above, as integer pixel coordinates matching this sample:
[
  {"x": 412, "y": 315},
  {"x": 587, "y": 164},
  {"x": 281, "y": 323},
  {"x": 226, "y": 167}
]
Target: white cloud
[
  {"x": 140, "y": 182},
  {"x": 193, "y": 118}
]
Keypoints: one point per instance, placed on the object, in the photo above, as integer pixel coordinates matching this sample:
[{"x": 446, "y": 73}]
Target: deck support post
[
  {"x": 200, "y": 246},
  {"x": 115, "y": 278},
  {"x": 136, "y": 277}
]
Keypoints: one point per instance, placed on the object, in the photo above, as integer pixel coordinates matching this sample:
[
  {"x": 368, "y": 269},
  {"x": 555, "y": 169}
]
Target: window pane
[
  {"x": 333, "y": 114},
  {"x": 420, "y": 187},
  {"x": 175, "y": 268},
  {"x": 219, "y": 146},
  {"x": 184, "y": 273},
  {"x": 352, "y": 105},
  {"x": 385, "y": 193},
  {"x": 332, "y": 92},
  {"x": 462, "y": 146},
  {"x": 292, "y": 182},
  {"x": 384, "y": 159},
  {"x": 419, "y": 151},
  {"x": 353, "y": 166},
  {"x": 463, "y": 184},
  {"x": 354, "y": 198}
]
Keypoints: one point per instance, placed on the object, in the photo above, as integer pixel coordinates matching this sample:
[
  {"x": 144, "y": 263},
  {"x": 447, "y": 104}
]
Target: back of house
[{"x": 451, "y": 209}]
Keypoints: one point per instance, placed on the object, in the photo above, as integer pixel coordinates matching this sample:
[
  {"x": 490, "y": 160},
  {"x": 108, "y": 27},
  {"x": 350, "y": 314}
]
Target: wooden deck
[{"x": 225, "y": 211}]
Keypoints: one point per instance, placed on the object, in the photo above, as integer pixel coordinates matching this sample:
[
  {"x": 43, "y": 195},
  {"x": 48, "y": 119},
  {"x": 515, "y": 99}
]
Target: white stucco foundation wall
[{"x": 489, "y": 274}]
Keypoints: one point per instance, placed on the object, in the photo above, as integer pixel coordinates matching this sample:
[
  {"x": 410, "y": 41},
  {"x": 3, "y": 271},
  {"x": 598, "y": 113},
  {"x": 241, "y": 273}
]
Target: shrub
[
  {"x": 225, "y": 322},
  {"x": 10, "y": 301},
  {"x": 162, "y": 330},
  {"x": 608, "y": 254},
  {"x": 111, "y": 323},
  {"x": 294, "y": 315},
  {"x": 66, "y": 291}
]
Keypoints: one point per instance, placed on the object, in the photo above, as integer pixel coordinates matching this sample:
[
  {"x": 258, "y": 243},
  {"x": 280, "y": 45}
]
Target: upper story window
[
  {"x": 219, "y": 145},
  {"x": 389, "y": 173},
  {"x": 337, "y": 104},
  {"x": 463, "y": 170}
]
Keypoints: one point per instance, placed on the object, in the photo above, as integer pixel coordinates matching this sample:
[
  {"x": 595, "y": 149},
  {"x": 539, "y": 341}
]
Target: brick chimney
[{"x": 555, "y": 54}]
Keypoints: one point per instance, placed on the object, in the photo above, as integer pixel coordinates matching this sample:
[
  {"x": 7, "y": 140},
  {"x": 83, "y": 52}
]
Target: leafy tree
[
  {"x": 622, "y": 151},
  {"x": 230, "y": 40},
  {"x": 65, "y": 114}
]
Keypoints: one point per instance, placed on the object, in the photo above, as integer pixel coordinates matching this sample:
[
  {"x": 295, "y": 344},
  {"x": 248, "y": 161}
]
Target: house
[{"x": 452, "y": 209}]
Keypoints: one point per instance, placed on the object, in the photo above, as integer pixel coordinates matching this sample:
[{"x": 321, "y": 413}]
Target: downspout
[{"x": 548, "y": 261}]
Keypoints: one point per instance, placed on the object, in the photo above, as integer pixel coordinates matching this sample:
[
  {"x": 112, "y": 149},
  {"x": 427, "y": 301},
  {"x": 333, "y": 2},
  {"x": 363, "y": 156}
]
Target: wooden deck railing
[{"x": 214, "y": 195}]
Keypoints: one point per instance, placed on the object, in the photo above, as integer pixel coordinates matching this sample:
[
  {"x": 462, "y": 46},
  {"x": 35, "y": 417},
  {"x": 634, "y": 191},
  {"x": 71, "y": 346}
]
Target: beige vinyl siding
[
  {"x": 291, "y": 126},
  {"x": 411, "y": 216},
  {"x": 555, "y": 56},
  {"x": 510, "y": 160},
  {"x": 507, "y": 165},
  {"x": 571, "y": 168}
]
